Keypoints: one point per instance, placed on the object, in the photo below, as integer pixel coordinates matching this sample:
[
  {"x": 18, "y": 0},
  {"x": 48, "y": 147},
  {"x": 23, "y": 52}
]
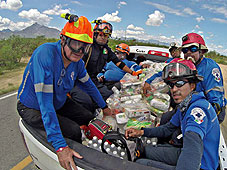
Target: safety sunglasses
[
  {"x": 103, "y": 34},
  {"x": 77, "y": 46},
  {"x": 178, "y": 84},
  {"x": 191, "y": 48},
  {"x": 61, "y": 77}
]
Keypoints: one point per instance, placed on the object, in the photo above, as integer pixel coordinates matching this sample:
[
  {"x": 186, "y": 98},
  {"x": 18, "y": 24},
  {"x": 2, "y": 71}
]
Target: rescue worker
[
  {"x": 175, "y": 52},
  {"x": 197, "y": 119},
  {"x": 193, "y": 46},
  {"x": 48, "y": 77},
  {"x": 111, "y": 74},
  {"x": 95, "y": 61}
]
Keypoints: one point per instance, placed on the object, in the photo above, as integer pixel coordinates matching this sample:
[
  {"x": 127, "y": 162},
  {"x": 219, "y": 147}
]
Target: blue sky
[{"x": 163, "y": 20}]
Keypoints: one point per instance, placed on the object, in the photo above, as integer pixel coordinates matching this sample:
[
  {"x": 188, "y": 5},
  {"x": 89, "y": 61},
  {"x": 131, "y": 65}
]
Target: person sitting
[
  {"x": 48, "y": 77},
  {"x": 111, "y": 74},
  {"x": 197, "y": 119},
  {"x": 175, "y": 53}
]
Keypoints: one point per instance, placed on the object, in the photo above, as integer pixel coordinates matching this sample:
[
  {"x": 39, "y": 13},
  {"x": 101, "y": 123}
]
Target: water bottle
[
  {"x": 90, "y": 143},
  {"x": 123, "y": 155}
]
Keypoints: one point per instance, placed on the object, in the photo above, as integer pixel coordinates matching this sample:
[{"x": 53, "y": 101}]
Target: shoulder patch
[
  {"x": 198, "y": 114},
  {"x": 216, "y": 74},
  {"x": 105, "y": 51}
]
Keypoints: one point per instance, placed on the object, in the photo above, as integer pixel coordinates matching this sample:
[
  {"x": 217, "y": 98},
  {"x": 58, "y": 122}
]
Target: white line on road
[{"x": 9, "y": 95}]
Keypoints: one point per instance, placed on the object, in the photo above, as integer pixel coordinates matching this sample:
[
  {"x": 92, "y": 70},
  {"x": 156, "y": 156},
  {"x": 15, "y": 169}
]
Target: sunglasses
[
  {"x": 103, "y": 34},
  {"x": 178, "y": 84},
  {"x": 77, "y": 46},
  {"x": 191, "y": 48}
]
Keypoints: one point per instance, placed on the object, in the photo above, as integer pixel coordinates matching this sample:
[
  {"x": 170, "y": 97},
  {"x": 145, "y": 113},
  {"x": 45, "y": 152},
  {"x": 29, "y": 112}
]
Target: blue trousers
[{"x": 163, "y": 156}]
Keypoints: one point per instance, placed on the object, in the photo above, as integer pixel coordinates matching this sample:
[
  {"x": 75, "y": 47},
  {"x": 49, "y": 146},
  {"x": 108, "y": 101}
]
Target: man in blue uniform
[
  {"x": 197, "y": 119},
  {"x": 193, "y": 46},
  {"x": 111, "y": 74},
  {"x": 48, "y": 77}
]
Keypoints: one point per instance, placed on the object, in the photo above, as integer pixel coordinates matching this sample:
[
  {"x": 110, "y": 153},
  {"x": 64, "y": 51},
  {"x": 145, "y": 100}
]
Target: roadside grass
[{"x": 10, "y": 78}]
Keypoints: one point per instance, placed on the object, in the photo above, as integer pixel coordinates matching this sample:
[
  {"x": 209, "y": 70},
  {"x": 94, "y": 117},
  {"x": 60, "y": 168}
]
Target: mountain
[{"x": 32, "y": 32}]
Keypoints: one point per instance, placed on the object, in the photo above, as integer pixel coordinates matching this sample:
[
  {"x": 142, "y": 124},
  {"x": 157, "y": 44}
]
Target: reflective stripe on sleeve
[
  {"x": 85, "y": 78},
  {"x": 41, "y": 87},
  {"x": 218, "y": 88}
]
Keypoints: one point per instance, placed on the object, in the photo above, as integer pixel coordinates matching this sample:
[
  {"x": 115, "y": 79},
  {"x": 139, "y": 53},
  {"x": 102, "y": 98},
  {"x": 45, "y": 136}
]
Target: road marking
[
  {"x": 9, "y": 95},
  {"x": 23, "y": 163}
]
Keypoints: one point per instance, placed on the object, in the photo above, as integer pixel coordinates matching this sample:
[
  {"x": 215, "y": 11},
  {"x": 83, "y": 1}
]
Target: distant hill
[{"x": 32, "y": 32}]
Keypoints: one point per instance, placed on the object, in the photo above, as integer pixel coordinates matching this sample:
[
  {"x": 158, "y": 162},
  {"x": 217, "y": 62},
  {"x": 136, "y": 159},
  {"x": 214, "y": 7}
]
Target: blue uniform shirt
[
  {"x": 201, "y": 118},
  {"x": 212, "y": 85},
  {"x": 114, "y": 73},
  {"x": 45, "y": 85}
]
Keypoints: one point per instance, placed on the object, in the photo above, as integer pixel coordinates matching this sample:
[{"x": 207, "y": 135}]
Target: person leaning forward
[
  {"x": 48, "y": 77},
  {"x": 195, "y": 116}
]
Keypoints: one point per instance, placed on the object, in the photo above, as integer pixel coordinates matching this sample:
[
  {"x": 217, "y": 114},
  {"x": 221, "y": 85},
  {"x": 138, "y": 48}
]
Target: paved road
[{"x": 12, "y": 149}]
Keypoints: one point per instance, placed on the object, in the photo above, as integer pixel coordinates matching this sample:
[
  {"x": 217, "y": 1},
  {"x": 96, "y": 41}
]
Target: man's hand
[
  {"x": 101, "y": 79},
  {"x": 133, "y": 133},
  {"x": 108, "y": 112},
  {"x": 65, "y": 158},
  {"x": 136, "y": 73},
  {"x": 146, "y": 88}
]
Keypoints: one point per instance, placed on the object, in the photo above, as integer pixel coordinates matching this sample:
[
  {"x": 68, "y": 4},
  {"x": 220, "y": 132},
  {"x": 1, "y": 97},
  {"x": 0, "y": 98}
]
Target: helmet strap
[
  {"x": 63, "y": 48},
  {"x": 200, "y": 56}
]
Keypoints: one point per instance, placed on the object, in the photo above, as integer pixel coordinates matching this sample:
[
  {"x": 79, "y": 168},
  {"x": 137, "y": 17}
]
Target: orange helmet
[
  {"x": 80, "y": 30},
  {"x": 103, "y": 26},
  {"x": 194, "y": 39},
  {"x": 124, "y": 48}
]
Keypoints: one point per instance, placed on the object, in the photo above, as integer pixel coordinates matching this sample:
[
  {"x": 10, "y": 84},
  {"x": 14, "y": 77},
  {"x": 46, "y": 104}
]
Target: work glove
[{"x": 136, "y": 73}]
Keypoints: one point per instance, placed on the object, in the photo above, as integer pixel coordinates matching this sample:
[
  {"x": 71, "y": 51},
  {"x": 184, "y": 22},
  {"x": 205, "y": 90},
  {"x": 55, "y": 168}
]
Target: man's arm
[
  {"x": 192, "y": 151},
  {"x": 161, "y": 131}
]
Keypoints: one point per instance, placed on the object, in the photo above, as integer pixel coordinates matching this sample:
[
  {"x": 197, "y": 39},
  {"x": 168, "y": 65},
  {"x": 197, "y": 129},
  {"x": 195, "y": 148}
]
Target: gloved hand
[
  {"x": 101, "y": 79},
  {"x": 136, "y": 73}
]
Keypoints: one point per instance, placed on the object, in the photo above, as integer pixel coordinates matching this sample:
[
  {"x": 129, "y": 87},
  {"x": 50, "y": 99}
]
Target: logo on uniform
[
  {"x": 72, "y": 75},
  {"x": 216, "y": 74},
  {"x": 198, "y": 114},
  {"x": 105, "y": 51}
]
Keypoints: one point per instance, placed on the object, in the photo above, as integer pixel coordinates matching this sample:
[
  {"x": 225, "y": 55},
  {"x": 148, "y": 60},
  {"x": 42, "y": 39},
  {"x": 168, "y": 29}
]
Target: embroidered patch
[
  {"x": 216, "y": 74},
  {"x": 198, "y": 114},
  {"x": 105, "y": 51},
  {"x": 72, "y": 75}
]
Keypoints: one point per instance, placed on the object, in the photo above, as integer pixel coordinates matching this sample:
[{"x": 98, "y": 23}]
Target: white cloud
[
  {"x": 155, "y": 19},
  {"x": 199, "y": 19},
  {"x": 219, "y": 20},
  {"x": 132, "y": 27},
  {"x": 111, "y": 17},
  {"x": 77, "y": 2},
  {"x": 11, "y": 4},
  {"x": 5, "y": 23},
  {"x": 165, "y": 8},
  {"x": 189, "y": 11},
  {"x": 57, "y": 10},
  {"x": 215, "y": 9},
  {"x": 121, "y": 4},
  {"x": 200, "y": 32},
  {"x": 35, "y": 16},
  {"x": 134, "y": 32}
]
